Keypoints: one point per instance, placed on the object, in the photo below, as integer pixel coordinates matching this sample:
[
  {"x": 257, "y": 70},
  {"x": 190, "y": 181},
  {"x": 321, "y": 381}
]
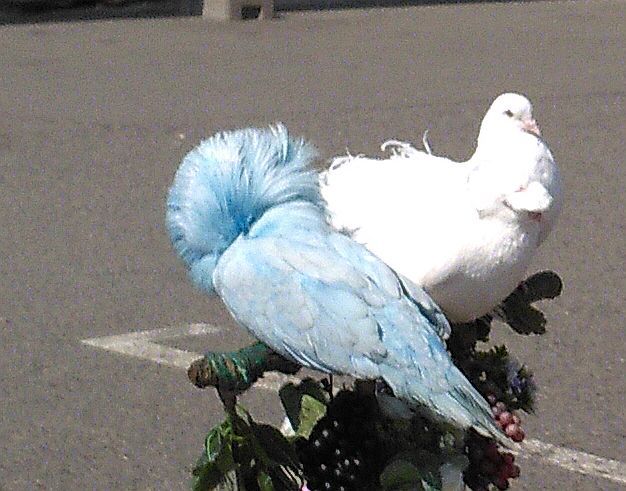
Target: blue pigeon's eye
[{"x": 509, "y": 113}]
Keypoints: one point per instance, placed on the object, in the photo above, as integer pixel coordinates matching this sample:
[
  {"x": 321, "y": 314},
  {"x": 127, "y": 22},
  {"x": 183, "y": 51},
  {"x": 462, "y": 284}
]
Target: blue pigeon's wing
[
  {"x": 279, "y": 289},
  {"x": 427, "y": 307},
  {"x": 349, "y": 250},
  {"x": 326, "y": 302}
]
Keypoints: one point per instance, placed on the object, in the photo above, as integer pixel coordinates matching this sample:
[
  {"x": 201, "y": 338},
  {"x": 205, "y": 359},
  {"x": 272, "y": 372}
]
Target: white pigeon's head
[{"x": 508, "y": 115}]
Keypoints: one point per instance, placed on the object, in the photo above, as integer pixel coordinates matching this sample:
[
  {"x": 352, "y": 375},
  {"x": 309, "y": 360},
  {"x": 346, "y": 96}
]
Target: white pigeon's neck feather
[{"x": 499, "y": 144}]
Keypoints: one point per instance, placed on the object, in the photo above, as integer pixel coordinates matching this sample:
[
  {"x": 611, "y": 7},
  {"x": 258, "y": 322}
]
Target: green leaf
[
  {"x": 291, "y": 396},
  {"x": 311, "y": 411},
  {"x": 219, "y": 447},
  {"x": 215, "y": 441},
  {"x": 277, "y": 447},
  {"x": 217, "y": 461},
  {"x": 229, "y": 483},
  {"x": 207, "y": 476},
  {"x": 225, "y": 461},
  {"x": 203, "y": 474},
  {"x": 400, "y": 475},
  {"x": 265, "y": 482},
  {"x": 242, "y": 413},
  {"x": 417, "y": 471}
]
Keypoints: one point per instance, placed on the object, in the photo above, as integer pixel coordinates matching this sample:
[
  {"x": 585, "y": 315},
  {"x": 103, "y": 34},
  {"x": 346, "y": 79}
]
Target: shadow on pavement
[{"x": 35, "y": 11}]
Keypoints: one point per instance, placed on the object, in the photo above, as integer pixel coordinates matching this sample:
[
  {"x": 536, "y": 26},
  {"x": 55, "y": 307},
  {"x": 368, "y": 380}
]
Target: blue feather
[
  {"x": 246, "y": 215},
  {"x": 226, "y": 184}
]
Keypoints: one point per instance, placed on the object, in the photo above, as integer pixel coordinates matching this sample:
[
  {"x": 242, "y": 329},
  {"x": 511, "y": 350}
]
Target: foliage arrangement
[{"x": 354, "y": 439}]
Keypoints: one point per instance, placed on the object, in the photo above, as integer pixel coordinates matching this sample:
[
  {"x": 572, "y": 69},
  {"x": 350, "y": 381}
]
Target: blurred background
[{"x": 16, "y": 11}]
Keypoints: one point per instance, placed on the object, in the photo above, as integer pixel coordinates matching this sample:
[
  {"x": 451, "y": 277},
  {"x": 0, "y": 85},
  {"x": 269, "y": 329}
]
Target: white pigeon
[{"x": 465, "y": 231}]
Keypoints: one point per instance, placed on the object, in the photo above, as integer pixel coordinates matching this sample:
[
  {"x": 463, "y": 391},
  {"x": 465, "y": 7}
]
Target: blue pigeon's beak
[{"x": 530, "y": 125}]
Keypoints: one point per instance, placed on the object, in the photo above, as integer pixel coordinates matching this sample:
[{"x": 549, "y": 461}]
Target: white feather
[{"x": 464, "y": 231}]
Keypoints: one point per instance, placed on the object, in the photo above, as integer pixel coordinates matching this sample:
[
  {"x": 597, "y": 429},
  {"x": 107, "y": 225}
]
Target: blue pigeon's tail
[
  {"x": 226, "y": 184},
  {"x": 460, "y": 403},
  {"x": 464, "y": 400}
]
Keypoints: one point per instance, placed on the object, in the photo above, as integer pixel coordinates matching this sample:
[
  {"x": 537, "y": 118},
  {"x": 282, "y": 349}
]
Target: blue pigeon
[{"x": 246, "y": 215}]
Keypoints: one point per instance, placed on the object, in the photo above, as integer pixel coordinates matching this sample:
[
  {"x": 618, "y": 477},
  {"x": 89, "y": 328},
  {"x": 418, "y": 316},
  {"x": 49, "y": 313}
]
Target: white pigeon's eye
[{"x": 509, "y": 113}]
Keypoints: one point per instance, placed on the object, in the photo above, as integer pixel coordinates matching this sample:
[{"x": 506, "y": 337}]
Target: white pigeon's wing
[{"x": 363, "y": 192}]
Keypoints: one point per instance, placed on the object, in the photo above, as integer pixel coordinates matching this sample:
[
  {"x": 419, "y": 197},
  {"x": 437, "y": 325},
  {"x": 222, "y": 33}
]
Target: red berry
[
  {"x": 511, "y": 430},
  {"x": 505, "y": 418},
  {"x": 496, "y": 411},
  {"x": 515, "y": 419},
  {"x": 519, "y": 436},
  {"x": 508, "y": 458},
  {"x": 501, "y": 483},
  {"x": 509, "y": 472},
  {"x": 505, "y": 471},
  {"x": 514, "y": 432}
]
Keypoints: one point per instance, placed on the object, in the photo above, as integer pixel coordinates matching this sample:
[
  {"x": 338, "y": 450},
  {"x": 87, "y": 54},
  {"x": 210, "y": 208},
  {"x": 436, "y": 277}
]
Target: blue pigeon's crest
[{"x": 218, "y": 194}]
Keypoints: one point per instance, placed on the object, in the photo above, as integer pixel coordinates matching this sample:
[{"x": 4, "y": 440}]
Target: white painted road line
[
  {"x": 576, "y": 461},
  {"x": 143, "y": 345}
]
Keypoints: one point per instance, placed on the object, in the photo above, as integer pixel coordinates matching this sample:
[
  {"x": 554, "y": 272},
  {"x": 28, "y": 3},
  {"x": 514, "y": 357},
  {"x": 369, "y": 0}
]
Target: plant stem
[{"x": 234, "y": 372}]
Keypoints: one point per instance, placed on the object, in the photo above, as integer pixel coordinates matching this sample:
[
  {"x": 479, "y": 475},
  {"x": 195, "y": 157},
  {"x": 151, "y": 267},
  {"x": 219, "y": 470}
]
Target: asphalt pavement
[{"x": 95, "y": 118}]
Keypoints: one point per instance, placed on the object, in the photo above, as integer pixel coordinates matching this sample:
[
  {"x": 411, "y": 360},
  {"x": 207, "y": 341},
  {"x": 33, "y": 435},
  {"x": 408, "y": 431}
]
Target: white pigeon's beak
[{"x": 530, "y": 125}]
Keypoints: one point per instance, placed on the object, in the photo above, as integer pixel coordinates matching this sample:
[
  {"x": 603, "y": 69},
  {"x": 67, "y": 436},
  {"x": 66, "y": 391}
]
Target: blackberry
[{"x": 342, "y": 453}]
